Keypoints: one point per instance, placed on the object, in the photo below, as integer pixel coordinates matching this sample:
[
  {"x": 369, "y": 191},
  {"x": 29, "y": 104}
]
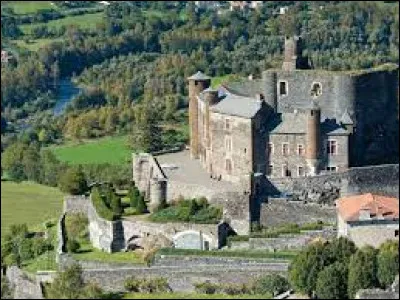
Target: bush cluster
[
  {"x": 101, "y": 206},
  {"x": 144, "y": 285},
  {"x": 338, "y": 270},
  {"x": 189, "y": 210}
]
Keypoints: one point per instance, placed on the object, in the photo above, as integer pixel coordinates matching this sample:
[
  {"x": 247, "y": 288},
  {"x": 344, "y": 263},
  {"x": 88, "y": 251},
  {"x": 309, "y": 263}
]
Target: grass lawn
[
  {"x": 28, "y": 203},
  {"x": 35, "y": 45},
  {"x": 253, "y": 254},
  {"x": 82, "y": 21},
  {"x": 117, "y": 257},
  {"x": 28, "y": 7},
  {"x": 191, "y": 296},
  {"x": 113, "y": 150}
]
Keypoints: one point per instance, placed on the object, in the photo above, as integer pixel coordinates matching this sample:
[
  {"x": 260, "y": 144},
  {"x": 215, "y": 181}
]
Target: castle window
[
  {"x": 285, "y": 171},
  {"x": 282, "y": 88},
  {"x": 316, "y": 89},
  {"x": 300, "y": 149},
  {"x": 285, "y": 148},
  {"x": 331, "y": 168},
  {"x": 228, "y": 143},
  {"x": 331, "y": 147},
  {"x": 270, "y": 170},
  {"x": 227, "y": 124},
  {"x": 300, "y": 171},
  {"x": 228, "y": 166},
  {"x": 270, "y": 149}
]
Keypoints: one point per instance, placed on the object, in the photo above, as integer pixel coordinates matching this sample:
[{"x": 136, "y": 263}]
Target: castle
[
  {"x": 293, "y": 122},
  {"x": 298, "y": 130}
]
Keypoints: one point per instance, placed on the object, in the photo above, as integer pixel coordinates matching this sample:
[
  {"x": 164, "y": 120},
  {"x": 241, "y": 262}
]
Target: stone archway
[{"x": 192, "y": 239}]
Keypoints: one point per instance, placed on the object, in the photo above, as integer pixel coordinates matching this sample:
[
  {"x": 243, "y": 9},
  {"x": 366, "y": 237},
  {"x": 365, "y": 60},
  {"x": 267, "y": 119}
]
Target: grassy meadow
[
  {"x": 82, "y": 21},
  {"x": 28, "y": 7},
  {"x": 29, "y": 203},
  {"x": 113, "y": 150}
]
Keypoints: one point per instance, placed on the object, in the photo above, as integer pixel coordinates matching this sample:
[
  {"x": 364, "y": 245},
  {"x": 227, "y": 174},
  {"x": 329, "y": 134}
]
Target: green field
[
  {"x": 82, "y": 21},
  {"x": 35, "y": 45},
  {"x": 27, "y": 7},
  {"x": 113, "y": 150},
  {"x": 28, "y": 203}
]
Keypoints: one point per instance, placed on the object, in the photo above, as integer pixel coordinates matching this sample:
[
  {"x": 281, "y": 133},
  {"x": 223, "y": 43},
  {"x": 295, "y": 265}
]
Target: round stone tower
[
  {"x": 313, "y": 137},
  {"x": 197, "y": 83},
  {"x": 158, "y": 193}
]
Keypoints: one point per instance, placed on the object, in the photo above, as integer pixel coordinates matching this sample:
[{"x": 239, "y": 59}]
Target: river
[{"x": 66, "y": 92}]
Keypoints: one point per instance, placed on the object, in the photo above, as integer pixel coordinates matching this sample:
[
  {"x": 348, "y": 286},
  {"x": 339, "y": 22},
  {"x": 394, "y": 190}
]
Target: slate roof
[
  {"x": 346, "y": 119},
  {"x": 296, "y": 123},
  {"x": 199, "y": 76},
  {"x": 289, "y": 123},
  {"x": 235, "y": 105},
  {"x": 379, "y": 206}
]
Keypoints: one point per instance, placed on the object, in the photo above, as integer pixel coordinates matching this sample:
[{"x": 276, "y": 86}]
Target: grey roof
[
  {"x": 296, "y": 123},
  {"x": 209, "y": 89},
  {"x": 346, "y": 119},
  {"x": 289, "y": 123},
  {"x": 330, "y": 127},
  {"x": 235, "y": 105},
  {"x": 199, "y": 76}
]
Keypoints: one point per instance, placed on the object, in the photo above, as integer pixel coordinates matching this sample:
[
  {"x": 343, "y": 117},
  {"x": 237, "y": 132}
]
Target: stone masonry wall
[
  {"x": 284, "y": 242},
  {"x": 24, "y": 288}
]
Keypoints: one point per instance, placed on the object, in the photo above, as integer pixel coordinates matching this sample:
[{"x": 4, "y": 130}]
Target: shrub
[
  {"x": 143, "y": 285},
  {"x": 233, "y": 289},
  {"x": 132, "y": 284},
  {"x": 40, "y": 246},
  {"x": 76, "y": 224},
  {"x": 101, "y": 207},
  {"x": 141, "y": 205},
  {"x": 134, "y": 195},
  {"x": 271, "y": 284},
  {"x": 206, "y": 288},
  {"x": 72, "y": 245},
  {"x": 26, "y": 249},
  {"x": 388, "y": 263},
  {"x": 115, "y": 204}
]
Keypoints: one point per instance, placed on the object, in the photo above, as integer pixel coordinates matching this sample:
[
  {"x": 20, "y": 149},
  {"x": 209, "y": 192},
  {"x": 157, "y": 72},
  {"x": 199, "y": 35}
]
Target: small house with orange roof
[{"x": 368, "y": 219}]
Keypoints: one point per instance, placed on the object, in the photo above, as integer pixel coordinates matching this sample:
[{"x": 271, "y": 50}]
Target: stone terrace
[{"x": 179, "y": 167}]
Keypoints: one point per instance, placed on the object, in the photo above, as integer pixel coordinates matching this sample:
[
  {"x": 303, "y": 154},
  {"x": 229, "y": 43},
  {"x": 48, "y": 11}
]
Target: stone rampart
[
  {"x": 285, "y": 241},
  {"x": 326, "y": 188}
]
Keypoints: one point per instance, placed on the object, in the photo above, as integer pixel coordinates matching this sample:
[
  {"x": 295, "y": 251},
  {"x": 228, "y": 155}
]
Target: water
[{"x": 67, "y": 91}]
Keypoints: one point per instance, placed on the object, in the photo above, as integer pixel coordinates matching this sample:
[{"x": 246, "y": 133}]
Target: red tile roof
[{"x": 378, "y": 206}]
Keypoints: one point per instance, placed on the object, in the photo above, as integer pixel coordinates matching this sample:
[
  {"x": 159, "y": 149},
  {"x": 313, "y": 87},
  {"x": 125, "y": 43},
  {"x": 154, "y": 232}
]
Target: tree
[
  {"x": 332, "y": 282},
  {"x": 73, "y": 181},
  {"x": 141, "y": 205},
  {"x": 305, "y": 267},
  {"x": 362, "y": 270},
  {"x": 388, "y": 263}
]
